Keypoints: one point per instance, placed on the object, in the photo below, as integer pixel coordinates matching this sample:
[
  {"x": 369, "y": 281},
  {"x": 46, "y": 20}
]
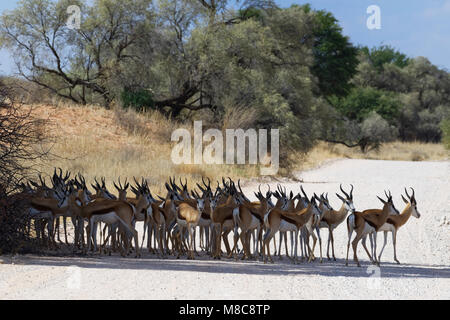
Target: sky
[{"x": 414, "y": 27}]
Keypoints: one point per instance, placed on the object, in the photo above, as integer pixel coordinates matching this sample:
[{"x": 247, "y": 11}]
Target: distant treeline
[{"x": 291, "y": 68}]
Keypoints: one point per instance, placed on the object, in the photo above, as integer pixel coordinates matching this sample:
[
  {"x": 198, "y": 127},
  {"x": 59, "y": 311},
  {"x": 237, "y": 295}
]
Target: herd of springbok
[{"x": 170, "y": 223}]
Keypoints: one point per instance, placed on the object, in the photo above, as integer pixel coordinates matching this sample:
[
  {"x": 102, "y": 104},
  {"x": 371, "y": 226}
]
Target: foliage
[
  {"x": 140, "y": 99},
  {"x": 384, "y": 54},
  {"x": 361, "y": 101},
  {"x": 21, "y": 138},
  {"x": 445, "y": 127},
  {"x": 335, "y": 58},
  {"x": 292, "y": 68},
  {"x": 377, "y": 129}
]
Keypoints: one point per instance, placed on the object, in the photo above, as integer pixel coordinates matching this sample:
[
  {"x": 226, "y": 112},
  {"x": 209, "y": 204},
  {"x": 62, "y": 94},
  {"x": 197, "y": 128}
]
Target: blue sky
[{"x": 414, "y": 27}]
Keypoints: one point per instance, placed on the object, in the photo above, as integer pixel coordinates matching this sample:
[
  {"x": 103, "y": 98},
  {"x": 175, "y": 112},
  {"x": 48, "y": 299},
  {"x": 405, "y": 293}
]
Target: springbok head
[
  {"x": 122, "y": 189},
  {"x": 391, "y": 207},
  {"x": 348, "y": 200},
  {"x": 412, "y": 202}
]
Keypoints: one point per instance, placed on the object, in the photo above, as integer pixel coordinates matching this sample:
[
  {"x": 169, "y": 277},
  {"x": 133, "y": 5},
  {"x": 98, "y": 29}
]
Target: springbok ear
[
  {"x": 342, "y": 199},
  {"x": 404, "y": 200},
  {"x": 384, "y": 202}
]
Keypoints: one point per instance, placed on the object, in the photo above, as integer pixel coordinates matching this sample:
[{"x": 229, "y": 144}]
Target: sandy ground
[{"x": 423, "y": 248}]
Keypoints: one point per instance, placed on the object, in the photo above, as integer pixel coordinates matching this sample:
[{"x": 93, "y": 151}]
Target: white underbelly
[
  {"x": 254, "y": 223},
  {"x": 108, "y": 218},
  {"x": 386, "y": 227},
  {"x": 368, "y": 229},
  {"x": 286, "y": 226}
]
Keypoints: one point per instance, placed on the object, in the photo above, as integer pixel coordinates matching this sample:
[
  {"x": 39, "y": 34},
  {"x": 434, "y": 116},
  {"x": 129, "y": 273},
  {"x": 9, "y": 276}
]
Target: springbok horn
[
  {"x": 303, "y": 191},
  {"x": 406, "y": 191},
  {"x": 345, "y": 193}
]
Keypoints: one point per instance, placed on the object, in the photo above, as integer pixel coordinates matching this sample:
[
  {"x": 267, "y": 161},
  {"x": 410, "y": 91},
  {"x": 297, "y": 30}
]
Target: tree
[
  {"x": 384, "y": 54},
  {"x": 73, "y": 63},
  {"x": 362, "y": 101},
  {"x": 335, "y": 58}
]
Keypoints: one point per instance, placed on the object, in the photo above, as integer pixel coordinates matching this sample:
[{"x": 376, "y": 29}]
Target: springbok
[
  {"x": 286, "y": 220},
  {"x": 365, "y": 224},
  {"x": 373, "y": 236},
  {"x": 188, "y": 216},
  {"x": 332, "y": 218},
  {"x": 248, "y": 217},
  {"x": 107, "y": 211},
  {"x": 394, "y": 222}
]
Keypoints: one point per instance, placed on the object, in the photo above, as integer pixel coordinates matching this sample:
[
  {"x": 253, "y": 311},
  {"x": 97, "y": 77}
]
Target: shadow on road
[{"x": 205, "y": 264}]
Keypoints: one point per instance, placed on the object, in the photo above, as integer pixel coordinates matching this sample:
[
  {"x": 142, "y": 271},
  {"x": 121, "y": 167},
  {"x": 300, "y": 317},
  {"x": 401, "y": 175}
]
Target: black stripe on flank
[
  {"x": 40, "y": 207},
  {"x": 257, "y": 216},
  {"x": 288, "y": 220}
]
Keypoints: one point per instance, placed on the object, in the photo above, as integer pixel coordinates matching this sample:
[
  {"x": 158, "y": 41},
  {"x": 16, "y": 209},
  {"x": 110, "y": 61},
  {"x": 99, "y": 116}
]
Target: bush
[
  {"x": 445, "y": 127},
  {"x": 22, "y": 139},
  {"x": 138, "y": 99},
  {"x": 378, "y": 129},
  {"x": 362, "y": 101},
  {"x": 14, "y": 225}
]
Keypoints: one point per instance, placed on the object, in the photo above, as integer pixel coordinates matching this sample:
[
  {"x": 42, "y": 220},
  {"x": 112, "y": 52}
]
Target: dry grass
[
  {"x": 112, "y": 143},
  {"x": 406, "y": 151}
]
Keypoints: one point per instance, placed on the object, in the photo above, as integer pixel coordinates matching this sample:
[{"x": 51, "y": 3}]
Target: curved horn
[
  {"x": 345, "y": 193},
  {"x": 204, "y": 183},
  {"x": 303, "y": 191}
]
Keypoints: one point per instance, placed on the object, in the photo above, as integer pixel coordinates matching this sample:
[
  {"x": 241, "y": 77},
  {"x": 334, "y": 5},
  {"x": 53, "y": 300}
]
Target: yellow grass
[
  {"x": 112, "y": 143},
  {"x": 406, "y": 151}
]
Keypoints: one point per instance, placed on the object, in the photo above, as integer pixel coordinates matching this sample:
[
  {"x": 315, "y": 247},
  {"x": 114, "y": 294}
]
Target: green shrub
[
  {"x": 140, "y": 99},
  {"x": 362, "y": 101}
]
